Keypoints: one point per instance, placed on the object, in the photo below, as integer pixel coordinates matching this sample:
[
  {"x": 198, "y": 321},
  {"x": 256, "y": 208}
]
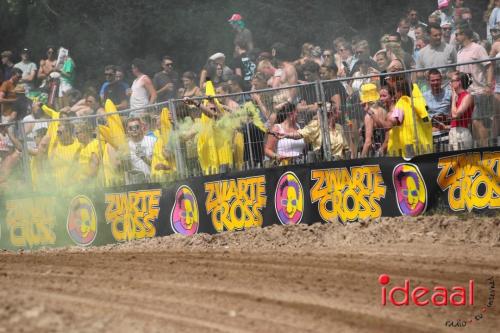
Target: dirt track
[{"x": 321, "y": 278}]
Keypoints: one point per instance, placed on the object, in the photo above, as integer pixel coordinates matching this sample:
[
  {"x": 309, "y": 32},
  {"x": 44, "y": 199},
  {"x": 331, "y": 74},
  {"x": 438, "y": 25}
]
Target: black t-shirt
[
  {"x": 161, "y": 79},
  {"x": 116, "y": 92},
  {"x": 247, "y": 66}
]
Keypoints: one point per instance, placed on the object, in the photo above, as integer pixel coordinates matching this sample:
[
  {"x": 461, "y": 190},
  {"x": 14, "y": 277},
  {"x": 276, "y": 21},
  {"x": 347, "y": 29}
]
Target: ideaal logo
[
  {"x": 411, "y": 192},
  {"x": 185, "y": 217},
  {"x": 132, "y": 215},
  {"x": 236, "y": 204},
  {"x": 289, "y": 199},
  {"x": 82, "y": 221},
  {"x": 348, "y": 196},
  {"x": 31, "y": 221},
  {"x": 472, "y": 180},
  {"x": 457, "y": 296},
  {"x": 419, "y": 296}
]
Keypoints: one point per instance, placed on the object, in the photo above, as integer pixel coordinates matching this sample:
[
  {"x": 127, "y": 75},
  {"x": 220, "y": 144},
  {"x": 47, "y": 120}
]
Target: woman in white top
[
  {"x": 143, "y": 91},
  {"x": 284, "y": 150}
]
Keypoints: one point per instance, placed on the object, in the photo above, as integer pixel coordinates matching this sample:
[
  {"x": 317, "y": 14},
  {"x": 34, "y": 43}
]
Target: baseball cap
[
  {"x": 25, "y": 51},
  {"x": 443, "y": 4},
  {"x": 446, "y": 24},
  {"x": 235, "y": 17},
  {"x": 217, "y": 55}
]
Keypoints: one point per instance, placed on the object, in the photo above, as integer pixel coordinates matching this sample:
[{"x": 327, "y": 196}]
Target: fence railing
[{"x": 403, "y": 113}]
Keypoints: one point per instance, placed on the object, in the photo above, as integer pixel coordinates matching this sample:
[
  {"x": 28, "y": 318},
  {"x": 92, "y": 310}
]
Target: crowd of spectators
[{"x": 367, "y": 110}]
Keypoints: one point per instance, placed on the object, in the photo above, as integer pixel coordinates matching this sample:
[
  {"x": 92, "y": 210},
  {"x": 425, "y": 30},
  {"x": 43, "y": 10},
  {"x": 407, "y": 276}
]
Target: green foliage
[{"x": 115, "y": 31}]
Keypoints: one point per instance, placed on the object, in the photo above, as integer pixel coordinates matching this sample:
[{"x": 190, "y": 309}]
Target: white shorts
[
  {"x": 64, "y": 87},
  {"x": 460, "y": 138}
]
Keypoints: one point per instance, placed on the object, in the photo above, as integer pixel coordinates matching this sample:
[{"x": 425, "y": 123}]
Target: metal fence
[{"x": 386, "y": 114}]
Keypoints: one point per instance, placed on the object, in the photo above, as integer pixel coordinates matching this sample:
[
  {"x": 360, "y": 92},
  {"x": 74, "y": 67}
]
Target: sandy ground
[{"x": 320, "y": 278}]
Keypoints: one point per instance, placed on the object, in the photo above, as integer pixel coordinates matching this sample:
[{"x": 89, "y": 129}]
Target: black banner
[{"x": 333, "y": 192}]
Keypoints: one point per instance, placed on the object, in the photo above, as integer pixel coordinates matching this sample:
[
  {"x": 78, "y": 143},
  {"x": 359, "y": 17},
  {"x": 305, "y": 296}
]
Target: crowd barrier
[
  {"x": 243, "y": 131},
  {"x": 328, "y": 192}
]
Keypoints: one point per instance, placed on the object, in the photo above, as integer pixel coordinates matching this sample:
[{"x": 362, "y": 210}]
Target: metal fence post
[
  {"x": 417, "y": 149},
  {"x": 25, "y": 154},
  {"x": 323, "y": 120},
  {"x": 179, "y": 156}
]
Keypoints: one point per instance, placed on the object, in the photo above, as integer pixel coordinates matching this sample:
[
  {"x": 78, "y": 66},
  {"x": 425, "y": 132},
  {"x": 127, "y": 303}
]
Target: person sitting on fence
[
  {"x": 462, "y": 107},
  {"x": 141, "y": 151},
  {"x": 90, "y": 156},
  {"x": 282, "y": 150},
  {"x": 372, "y": 131}
]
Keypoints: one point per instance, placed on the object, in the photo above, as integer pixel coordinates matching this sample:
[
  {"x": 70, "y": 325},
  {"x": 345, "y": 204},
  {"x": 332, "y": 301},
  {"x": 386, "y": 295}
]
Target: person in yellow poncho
[
  {"x": 163, "y": 162},
  {"x": 210, "y": 156},
  {"x": 90, "y": 155},
  {"x": 115, "y": 146},
  {"x": 408, "y": 124},
  {"x": 63, "y": 157}
]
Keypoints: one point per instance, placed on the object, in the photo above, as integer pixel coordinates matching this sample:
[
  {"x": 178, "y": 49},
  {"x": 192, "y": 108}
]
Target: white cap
[{"x": 217, "y": 55}]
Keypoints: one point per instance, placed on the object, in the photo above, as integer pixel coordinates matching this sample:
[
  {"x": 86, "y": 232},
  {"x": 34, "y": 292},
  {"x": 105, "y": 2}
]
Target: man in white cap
[
  {"x": 242, "y": 33},
  {"x": 447, "y": 29}
]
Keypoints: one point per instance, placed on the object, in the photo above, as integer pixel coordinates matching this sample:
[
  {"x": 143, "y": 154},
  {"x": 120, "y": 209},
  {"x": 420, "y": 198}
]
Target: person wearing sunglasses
[
  {"x": 166, "y": 81},
  {"x": 113, "y": 89},
  {"x": 141, "y": 148}
]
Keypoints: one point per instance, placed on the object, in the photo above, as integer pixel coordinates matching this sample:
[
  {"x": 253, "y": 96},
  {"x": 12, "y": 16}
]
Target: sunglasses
[{"x": 133, "y": 128}]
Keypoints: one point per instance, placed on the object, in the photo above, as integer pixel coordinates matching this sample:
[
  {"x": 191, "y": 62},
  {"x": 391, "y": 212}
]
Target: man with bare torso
[
  {"x": 285, "y": 74},
  {"x": 48, "y": 65}
]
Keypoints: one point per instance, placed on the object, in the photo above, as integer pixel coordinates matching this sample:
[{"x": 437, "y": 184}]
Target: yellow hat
[{"x": 369, "y": 93}]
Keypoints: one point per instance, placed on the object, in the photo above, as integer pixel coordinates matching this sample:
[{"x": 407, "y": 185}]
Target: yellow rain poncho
[
  {"x": 210, "y": 151},
  {"x": 112, "y": 134},
  {"x": 158, "y": 155},
  {"x": 404, "y": 135}
]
